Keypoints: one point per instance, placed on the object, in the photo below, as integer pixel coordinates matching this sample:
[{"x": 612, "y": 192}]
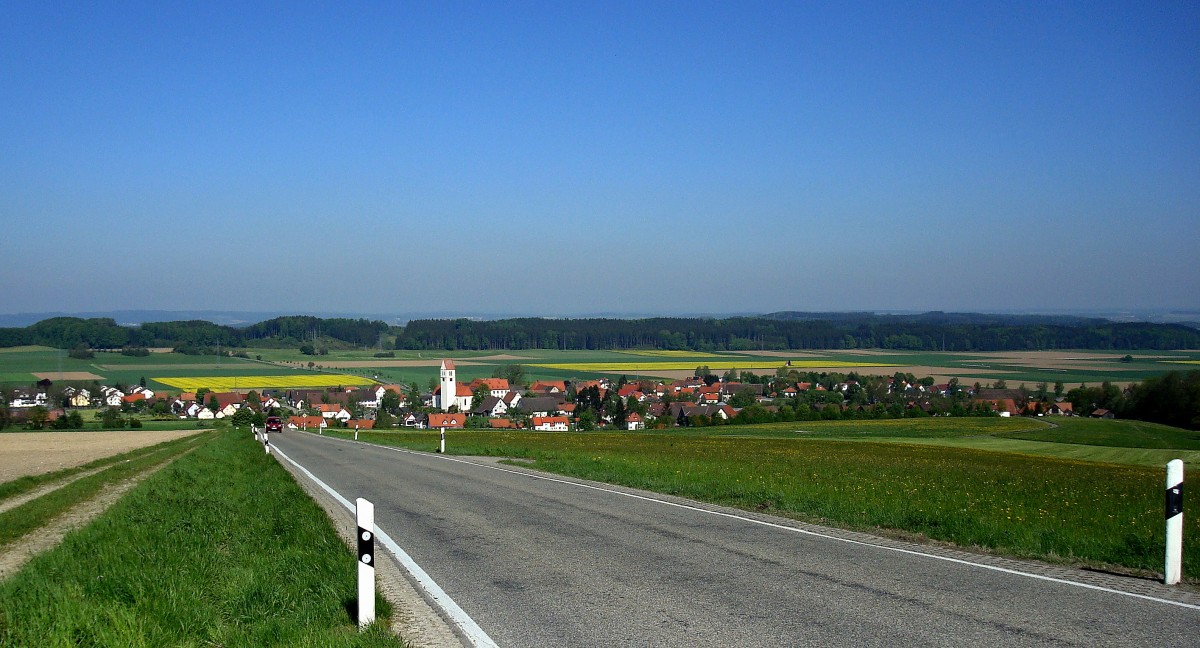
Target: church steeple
[{"x": 449, "y": 385}]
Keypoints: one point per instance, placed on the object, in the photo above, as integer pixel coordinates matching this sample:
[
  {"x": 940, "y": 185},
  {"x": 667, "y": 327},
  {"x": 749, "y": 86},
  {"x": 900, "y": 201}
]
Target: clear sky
[{"x": 561, "y": 158}]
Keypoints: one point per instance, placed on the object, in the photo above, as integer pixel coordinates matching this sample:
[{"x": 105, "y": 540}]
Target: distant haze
[{"x": 557, "y": 158}]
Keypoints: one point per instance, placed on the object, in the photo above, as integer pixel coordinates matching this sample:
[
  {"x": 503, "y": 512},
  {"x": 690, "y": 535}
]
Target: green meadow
[{"x": 974, "y": 483}]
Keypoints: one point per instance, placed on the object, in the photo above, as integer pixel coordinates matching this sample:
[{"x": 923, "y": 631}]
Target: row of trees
[
  {"x": 751, "y": 333},
  {"x": 1172, "y": 399},
  {"x": 193, "y": 335},
  {"x": 930, "y": 332}
]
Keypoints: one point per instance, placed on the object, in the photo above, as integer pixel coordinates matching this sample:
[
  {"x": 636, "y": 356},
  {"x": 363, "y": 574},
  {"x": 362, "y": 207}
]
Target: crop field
[
  {"x": 719, "y": 365},
  {"x": 228, "y": 383},
  {"x": 1070, "y": 367},
  {"x": 23, "y": 366},
  {"x": 916, "y": 479},
  {"x": 674, "y": 354}
]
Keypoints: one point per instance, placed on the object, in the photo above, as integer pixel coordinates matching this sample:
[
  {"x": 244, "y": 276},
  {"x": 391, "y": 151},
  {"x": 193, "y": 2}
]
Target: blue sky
[{"x": 564, "y": 158}]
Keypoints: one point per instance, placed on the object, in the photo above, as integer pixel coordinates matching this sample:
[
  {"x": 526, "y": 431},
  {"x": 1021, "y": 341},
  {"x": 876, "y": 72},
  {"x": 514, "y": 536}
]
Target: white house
[
  {"x": 27, "y": 398},
  {"x": 551, "y": 423}
]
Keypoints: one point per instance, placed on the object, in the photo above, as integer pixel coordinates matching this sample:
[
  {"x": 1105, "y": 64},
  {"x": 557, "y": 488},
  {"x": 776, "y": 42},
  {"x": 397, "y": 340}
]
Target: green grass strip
[
  {"x": 15, "y": 523},
  {"x": 30, "y": 482},
  {"x": 220, "y": 548}
]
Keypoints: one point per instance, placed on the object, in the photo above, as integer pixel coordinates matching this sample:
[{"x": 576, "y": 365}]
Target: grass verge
[
  {"x": 1049, "y": 508},
  {"x": 219, "y": 548}
]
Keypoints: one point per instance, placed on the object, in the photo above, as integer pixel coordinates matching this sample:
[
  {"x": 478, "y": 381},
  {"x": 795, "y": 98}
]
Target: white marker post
[
  {"x": 1174, "y": 564},
  {"x": 366, "y": 562},
  {"x": 442, "y": 448},
  {"x": 266, "y": 441},
  {"x": 356, "y": 431}
]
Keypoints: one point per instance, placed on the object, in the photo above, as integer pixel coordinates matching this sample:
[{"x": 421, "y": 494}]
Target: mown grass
[
  {"x": 1112, "y": 433},
  {"x": 1027, "y": 506},
  {"x": 220, "y": 548}
]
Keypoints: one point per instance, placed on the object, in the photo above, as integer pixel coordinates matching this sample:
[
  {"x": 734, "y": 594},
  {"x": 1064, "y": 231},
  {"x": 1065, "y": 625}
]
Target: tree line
[
  {"x": 931, "y": 332},
  {"x": 764, "y": 333},
  {"x": 191, "y": 335}
]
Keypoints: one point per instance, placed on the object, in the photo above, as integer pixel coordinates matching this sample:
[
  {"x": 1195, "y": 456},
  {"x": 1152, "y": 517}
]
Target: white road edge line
[
  {"x": 783, "y": 527},
  {"x": 456, "y": 614}
]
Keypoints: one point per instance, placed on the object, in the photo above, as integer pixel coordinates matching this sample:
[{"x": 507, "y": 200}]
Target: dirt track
[{"x": 34, "y": 453}]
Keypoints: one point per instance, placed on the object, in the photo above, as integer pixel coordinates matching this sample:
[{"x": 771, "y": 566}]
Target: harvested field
[
  {"x": 34, "y": 453},
  {"x": 1062, "y": 360},
  {"x": 67, "y": 375}
]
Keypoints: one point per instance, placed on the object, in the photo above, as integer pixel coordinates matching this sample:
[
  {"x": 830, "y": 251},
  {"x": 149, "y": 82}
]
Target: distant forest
[
  {"x": 929, "y": 332},
  {"x": 926, "y": 332}
]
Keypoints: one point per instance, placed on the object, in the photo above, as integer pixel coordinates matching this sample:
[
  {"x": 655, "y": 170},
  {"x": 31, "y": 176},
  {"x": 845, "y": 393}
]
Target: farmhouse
[
  {"x": 454, "y": 421},
  {"x": 551, "y": 423},
  {"x": 305, "y": 422}
]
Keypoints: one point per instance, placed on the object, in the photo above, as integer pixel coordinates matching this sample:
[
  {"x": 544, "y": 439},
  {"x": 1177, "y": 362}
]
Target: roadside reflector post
[
  {"x": 366, "y": 562},
  {"x": 356, "y": 431},
  {"x": 1174, "y": 564},
  {"x": 442, "y": 447}
]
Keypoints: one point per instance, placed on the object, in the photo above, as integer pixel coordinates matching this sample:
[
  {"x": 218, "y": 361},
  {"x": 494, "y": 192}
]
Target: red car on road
[{"x": 274, "y": 424}]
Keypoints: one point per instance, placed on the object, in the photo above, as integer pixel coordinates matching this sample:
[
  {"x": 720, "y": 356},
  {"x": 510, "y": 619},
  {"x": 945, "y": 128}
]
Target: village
[{"x": 557, "y": 405}]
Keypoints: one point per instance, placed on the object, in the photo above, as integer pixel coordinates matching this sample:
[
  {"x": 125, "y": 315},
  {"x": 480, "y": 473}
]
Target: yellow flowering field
[{"x": 296, "y": 381}]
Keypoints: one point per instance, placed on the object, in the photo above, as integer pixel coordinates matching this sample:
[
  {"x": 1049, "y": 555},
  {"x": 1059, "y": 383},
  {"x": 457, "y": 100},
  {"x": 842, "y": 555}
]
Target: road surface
[{"x": 537, "y": 560}]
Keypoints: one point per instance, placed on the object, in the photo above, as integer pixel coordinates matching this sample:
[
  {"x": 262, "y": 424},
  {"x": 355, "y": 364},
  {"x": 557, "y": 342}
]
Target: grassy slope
[{"x": 219, "y": 548}]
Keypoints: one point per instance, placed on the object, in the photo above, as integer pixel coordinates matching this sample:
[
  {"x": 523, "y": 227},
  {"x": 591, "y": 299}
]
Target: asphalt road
[{"x": 550, "y": 562}]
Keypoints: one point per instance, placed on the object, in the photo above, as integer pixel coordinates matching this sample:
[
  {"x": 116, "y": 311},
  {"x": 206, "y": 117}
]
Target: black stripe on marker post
[
  {"x": 366, "y": 547},
  {"x": 1174, "y": 501}
]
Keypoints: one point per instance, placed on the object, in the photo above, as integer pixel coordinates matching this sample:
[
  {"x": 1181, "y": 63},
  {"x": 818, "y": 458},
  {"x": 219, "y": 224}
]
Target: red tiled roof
[{"x": 447, "y": 420}]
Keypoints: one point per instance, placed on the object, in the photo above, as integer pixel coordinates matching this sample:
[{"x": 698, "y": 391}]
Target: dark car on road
[{"x": 274, "y": 424}]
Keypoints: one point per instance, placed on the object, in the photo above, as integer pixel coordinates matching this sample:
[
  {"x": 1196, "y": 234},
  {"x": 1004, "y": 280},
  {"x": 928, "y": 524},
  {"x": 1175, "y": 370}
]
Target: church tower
[{"x": 449, "y": 385}]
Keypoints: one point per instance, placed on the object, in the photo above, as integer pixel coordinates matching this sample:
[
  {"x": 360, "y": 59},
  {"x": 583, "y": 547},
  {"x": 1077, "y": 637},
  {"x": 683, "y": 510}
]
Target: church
[{"x": 459, "y": 395}]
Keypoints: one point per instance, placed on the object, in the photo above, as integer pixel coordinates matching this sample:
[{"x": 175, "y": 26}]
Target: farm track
[
  {"x": 15, "y": 554},
  {"x": 15, "y": 501}
]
